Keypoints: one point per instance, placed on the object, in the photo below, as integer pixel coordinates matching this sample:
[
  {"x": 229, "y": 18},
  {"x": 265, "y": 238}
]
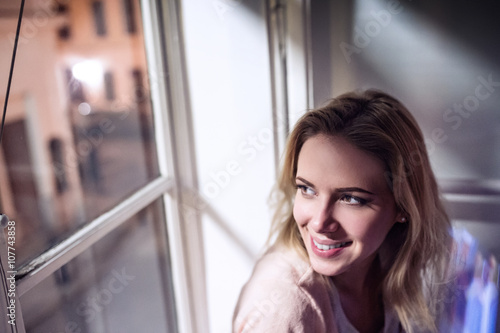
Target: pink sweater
[{"x": 284, "y": 294}]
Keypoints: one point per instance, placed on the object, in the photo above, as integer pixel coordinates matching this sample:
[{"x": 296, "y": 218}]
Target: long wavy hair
[{"x": 416, "y": 252}]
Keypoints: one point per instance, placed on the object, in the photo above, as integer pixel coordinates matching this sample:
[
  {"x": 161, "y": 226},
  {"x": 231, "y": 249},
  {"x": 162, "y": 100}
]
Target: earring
[{"x": 403, "y": 219}]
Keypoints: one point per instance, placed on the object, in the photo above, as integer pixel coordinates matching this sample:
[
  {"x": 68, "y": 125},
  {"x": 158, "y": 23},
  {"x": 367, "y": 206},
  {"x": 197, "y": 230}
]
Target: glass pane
[
  {"x": 121, "y": 284},
  {"x": 79, "y": 133}
]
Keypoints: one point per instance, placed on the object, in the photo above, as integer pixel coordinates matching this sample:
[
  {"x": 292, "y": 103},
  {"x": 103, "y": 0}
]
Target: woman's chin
[{"x": 326, "y": 268}]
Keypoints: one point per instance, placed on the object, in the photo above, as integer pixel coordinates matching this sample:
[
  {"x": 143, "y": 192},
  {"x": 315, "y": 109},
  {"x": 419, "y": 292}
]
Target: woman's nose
[{"x": 324, "y": 218}]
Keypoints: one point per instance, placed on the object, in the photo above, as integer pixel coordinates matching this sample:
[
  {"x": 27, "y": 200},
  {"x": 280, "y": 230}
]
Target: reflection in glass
[
  {"x": 121, "y": 284},
  {"x": 79, "y": 134}
]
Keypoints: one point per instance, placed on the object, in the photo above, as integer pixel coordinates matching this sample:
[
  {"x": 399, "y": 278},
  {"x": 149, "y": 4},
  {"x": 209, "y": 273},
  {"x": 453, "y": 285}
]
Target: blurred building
[{"x": 79, "y": 107}]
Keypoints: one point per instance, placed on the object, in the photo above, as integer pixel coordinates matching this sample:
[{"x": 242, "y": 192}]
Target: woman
[{"x": 361, "y": 239}]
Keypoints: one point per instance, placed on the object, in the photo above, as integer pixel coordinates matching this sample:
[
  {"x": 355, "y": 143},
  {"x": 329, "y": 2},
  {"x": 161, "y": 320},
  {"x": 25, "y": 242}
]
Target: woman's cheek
[{"x": 299, "y": 213}]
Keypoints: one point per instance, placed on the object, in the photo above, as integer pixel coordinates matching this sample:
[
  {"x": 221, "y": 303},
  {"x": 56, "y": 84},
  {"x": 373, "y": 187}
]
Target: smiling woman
[
  {"x": 344, "y": 219},
  {"x": 361, "y": 237}
]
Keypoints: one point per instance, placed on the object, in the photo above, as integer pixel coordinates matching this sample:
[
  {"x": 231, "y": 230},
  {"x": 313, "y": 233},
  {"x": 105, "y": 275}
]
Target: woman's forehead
[{"x": 335, "y": 161}]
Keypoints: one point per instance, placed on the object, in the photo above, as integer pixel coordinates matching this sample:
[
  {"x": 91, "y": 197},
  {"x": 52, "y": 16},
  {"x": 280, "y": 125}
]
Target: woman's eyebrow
[
  {"x": 338, "y": 190},
  {"x": 305, "y": 182},
  {"x": 353, "y": 189}
]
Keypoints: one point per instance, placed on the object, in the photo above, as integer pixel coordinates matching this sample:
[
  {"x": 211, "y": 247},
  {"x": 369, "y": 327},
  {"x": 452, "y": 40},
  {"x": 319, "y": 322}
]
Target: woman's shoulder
[
  {"x": 280, "y": 262},
  {"x": 286, "y": 267},
  {"x": 283, "y": 294}
]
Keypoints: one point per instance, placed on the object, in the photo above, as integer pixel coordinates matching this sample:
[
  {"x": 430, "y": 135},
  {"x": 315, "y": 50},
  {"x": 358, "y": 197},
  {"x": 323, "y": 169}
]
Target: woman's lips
[{"x": 328, "y": 250}]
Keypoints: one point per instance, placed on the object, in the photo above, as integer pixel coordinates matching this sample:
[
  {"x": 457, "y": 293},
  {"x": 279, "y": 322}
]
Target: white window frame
[{"x": 177, "y": 180}]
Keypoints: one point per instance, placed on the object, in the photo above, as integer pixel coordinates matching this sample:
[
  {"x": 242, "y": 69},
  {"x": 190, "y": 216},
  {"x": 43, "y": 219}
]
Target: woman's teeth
[{"x": 329, "y": 247}]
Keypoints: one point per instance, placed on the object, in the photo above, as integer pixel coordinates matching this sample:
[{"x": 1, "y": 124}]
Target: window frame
[{"x": 174, "y": 185}]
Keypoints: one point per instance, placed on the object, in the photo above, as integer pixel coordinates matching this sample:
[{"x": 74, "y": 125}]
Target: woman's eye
[
  {"x": 306, "y": 190},
  {"x": 352, "y": 200}
]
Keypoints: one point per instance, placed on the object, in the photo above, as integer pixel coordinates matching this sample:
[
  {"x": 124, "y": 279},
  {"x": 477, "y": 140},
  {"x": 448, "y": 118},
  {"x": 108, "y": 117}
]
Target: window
[
  {"x": 128, "y": 6},
  {"x": 75, "y": 88},
  {"x": 57, "y": 160},
  {"x": 99, "y": 18},
  {"x": 90, "y": 164},
  {"x": 61, "y": 8},
  {"x": 64, "y": 32},
  {"x": 138, "y": 85},
  {"x": 99, "y": 289},
  {"x": 109, "y": 85}
]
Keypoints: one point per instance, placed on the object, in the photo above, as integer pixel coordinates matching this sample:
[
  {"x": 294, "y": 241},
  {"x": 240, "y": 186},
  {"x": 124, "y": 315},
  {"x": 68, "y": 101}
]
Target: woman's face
[{"x": 343, "y": 206}]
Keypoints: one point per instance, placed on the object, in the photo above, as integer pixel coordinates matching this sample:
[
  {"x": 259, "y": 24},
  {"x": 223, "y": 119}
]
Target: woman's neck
[
  {"x": 361, "y": 298},
  {"x": 364, "y": 279}
]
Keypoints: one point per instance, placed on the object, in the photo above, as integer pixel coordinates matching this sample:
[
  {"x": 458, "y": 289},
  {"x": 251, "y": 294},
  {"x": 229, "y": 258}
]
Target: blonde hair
[{"x": 418, "y": 249}]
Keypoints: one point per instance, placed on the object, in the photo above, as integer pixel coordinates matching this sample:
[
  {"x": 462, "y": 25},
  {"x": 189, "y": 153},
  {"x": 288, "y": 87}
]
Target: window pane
[
  {"x": 121, "y": 284},
  {"x": 79, "y": 134},
  {"x": 99, "y": 18},
  {"x": 129, "y": 7}
]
